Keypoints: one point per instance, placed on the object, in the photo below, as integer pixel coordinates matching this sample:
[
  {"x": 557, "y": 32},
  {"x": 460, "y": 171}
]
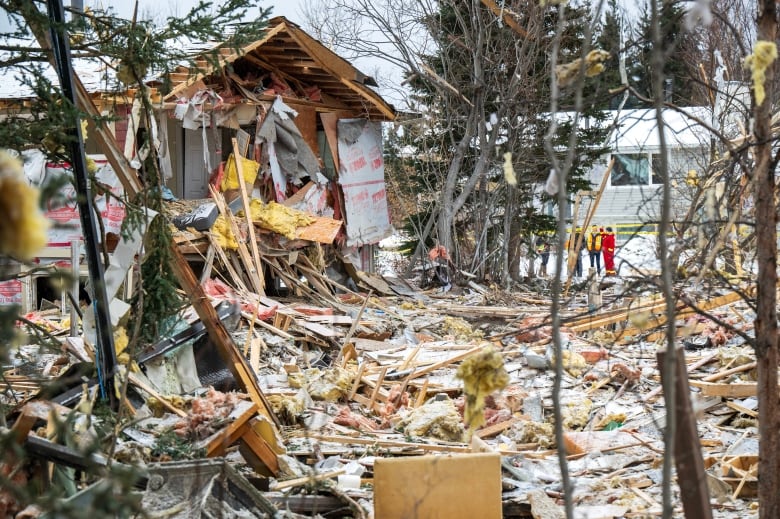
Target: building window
[
  {"x": 655, "y": 168},
  {"x": 630, "y": 169}
]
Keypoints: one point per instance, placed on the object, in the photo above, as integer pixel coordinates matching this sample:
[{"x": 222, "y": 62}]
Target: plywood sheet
[
  {"x": 323, "y": 230},
  {"x": 307, "y": 124},
  {"x": 438, "y": 487}
]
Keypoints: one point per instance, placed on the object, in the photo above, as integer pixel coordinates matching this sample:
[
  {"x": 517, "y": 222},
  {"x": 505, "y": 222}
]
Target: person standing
[
  {"x": 608, "y": 249},
  {"x": 543, "y": 250},
  {"x": 577, "y": 251},
  {"x": 593, "y": 243}
]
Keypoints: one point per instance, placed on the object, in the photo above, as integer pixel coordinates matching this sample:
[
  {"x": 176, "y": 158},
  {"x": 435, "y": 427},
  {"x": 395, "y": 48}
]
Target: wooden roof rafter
[
  {"x": 339, "y": 68},
  {"x": 287, "y": 50},
  {"x": 224, "y": 59}
]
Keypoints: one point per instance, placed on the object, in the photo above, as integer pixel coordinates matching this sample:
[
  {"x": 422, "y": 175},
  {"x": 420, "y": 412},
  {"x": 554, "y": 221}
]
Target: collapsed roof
[{"x": 313, "y": 72}]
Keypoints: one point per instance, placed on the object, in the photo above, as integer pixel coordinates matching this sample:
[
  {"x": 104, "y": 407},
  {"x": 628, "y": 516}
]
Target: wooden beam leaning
[
  {"x": 591, "y": 211},
  {"x": 219, "y": 335},
  {"x": 256, "y": 265},
  {"x": 243, "y": 252}
]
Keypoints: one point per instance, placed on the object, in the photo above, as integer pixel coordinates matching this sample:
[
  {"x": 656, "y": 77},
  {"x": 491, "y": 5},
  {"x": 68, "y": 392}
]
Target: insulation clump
[
  {"x": 22, "y": 223},
  {"x": 438, "y": 419},
  {"x": 574, "y": 363},
  {"x": 482, "y": 374},
  {"x": 509, "y": 170},
  {"x": 207, "y": 415},
  {"x": 576, "y": 414},
  {"x": 764, "y": 53},
  {"x": 223, "y": 235},
  {"x": 594, "y": 65},
  {"x": 329, "y": 385},
  {"x": 279, "y": 218},
  {"x": 460, "y": 329},
  {"x": 289, "y": 409},
  {"x": 249, "y": 169},
  {"x": 542, "y": 433}
]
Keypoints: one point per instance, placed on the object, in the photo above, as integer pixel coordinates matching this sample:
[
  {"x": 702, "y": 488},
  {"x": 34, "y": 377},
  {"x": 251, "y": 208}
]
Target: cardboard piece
[{"x": 464, "y": 485}]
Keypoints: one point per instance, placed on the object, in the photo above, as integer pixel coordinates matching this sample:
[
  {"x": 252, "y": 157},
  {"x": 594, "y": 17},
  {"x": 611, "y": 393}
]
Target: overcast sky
[{"x": 164, "y": 8}]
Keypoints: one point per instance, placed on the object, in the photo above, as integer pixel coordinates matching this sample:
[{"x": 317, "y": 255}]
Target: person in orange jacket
[
  {"x": 608, "y": 249},
  {"x": 593, "y": 243}
]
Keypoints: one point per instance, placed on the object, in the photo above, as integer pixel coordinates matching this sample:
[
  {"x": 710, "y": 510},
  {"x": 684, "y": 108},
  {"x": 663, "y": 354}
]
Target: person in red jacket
[{"x": 608, "y": 250}]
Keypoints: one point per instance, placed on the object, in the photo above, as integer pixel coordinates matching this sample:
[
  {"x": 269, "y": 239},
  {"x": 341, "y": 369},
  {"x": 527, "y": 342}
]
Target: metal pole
[
  {"x": 74, "y": 309},
  {"x": 106, "y": 355}
]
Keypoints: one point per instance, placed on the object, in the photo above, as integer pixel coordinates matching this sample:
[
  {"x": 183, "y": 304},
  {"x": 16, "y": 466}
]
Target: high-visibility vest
[{"x": 594, "y": 242}]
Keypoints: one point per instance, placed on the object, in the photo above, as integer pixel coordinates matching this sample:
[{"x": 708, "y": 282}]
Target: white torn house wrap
[{"x": 362, "y": 179}]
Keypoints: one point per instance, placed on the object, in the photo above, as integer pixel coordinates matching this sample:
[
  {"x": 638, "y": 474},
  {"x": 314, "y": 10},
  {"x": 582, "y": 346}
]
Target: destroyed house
[
  {"x": 306, "y": 116},
  {"x": 306, "y": 120}
]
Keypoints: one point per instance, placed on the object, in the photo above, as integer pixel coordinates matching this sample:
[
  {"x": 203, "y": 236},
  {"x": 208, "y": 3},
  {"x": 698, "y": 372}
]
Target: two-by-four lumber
[
  {"x": 256, "y": 265},
  {"x": 243, "y": 252},
  {"x": 227, "y": 349}
]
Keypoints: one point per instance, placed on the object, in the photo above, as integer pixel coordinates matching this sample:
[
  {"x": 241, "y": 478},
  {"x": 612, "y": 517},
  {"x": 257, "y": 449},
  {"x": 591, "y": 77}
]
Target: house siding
[{"x": 636, "y": 205}]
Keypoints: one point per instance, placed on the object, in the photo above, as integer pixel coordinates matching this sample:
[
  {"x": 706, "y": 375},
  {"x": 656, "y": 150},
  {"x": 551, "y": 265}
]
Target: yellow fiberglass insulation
[
  {"x": 223, "y": 235},
  {"x": 22, "y": 223},
  {"x": 329, "y": 385},
  {"x": 482, "y": 374},
  {"x": 509, "y": 170},
  {"x": 527, "y": 431},
  {"x": 764, "y": 53},
  {"x": 279, "y": 218},
  {"x": 439, "y": 419},
  {"x": 249, "y": 169},
  {"x": 287, "y": 408},
  {"x": 576, "y": 414},
  {"x": 574, "y": 363},
  {"x": 121, "y": 342},
  {"x": 567, "y": 73}
]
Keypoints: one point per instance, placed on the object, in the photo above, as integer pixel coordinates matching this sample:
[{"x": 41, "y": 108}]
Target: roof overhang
[{"x": 299, "y": 59}]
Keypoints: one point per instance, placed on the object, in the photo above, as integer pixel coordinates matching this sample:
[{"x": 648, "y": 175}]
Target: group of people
[{"x": 598, "y": 241}]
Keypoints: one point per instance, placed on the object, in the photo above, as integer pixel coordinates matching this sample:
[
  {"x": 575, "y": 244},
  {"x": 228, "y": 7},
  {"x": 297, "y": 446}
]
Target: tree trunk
[{"x": 766, "y": 313}]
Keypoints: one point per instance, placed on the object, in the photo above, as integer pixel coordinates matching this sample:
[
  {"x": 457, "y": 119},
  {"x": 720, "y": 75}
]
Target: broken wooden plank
[
  {"x": 255, "y": 265},
  {"x": 727, "y": 390},
  {"x": 322, "y": 230},
  {"x": 219, "y": 335},
  {"x": 140, "y": 384},
  {"x": 728, "y": 372},
  {"x": 267, "y": 326},
  {"x": 258, "y": 453},
  {"x": 492, "y": 430},
  {"x": 444, "y": 363},
  {"x": 253, "y": 273},
  {"x": 223, "y": 258},
  {"x": 742, "y": 409},
  {"x": 217, "y": 443},
  {"x": 305, "y": 480}
]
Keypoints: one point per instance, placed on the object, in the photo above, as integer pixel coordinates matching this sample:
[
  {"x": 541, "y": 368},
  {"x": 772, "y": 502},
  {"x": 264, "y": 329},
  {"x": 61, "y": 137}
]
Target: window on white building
[{"x": 630, "y": 169}]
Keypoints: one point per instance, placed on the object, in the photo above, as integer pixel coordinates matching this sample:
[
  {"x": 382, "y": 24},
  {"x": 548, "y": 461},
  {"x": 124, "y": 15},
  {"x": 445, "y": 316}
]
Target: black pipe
[{"x": 106, "y": 362}]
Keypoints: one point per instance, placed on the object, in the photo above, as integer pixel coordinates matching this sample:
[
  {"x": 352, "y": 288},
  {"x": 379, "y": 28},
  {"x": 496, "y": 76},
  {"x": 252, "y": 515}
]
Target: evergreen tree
[
  {"x": 495, "y": 216},
  {"x": 681, "y": 57},
  {"x": 610, "y": 37}
]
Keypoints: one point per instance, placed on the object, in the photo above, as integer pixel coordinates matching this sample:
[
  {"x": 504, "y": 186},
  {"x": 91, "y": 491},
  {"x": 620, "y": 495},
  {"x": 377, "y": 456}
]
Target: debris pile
[{"x": 325, "y": 386}]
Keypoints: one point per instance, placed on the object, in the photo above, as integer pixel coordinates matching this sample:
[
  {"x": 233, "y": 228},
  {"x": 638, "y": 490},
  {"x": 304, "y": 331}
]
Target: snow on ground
[{"x": 639, "y": 254}]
